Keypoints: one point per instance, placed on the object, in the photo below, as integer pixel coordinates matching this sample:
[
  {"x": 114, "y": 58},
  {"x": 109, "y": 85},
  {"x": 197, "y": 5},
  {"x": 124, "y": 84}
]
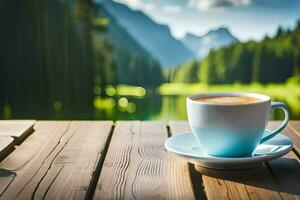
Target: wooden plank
[
  {"x": 256, "y": 183},
  {"x": 295, "y": 136},
  {"x": 295, "y": 125},
  {"x": 138, "y": 167},
  {"x": 57, "y": 161},
  {"x": 25, "y": 153},
  {"x": 185, "y": 177},
  {"x": 18, "y": 129},
  {"x": 6, "y": 146},
  {"x": 286, "y": 170}
]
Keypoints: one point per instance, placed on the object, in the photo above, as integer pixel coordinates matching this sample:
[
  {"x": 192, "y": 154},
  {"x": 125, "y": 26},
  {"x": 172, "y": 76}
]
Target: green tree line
[{"x": 269, "y": 60}]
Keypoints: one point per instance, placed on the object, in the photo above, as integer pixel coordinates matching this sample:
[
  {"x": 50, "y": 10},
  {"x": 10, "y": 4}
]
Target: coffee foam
[{"x": 227, "y": 99}]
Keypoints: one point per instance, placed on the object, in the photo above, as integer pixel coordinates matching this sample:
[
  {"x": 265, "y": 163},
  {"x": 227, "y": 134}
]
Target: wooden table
[{"x": 127, "y": 160}]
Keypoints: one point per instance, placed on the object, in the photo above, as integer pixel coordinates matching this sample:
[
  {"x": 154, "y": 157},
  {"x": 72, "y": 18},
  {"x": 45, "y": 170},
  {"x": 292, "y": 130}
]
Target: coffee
[{"x": 227, "y": 99}]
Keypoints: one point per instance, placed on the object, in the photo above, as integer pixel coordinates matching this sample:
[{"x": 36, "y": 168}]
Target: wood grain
[
  {"x": 138, "y": 167},
  {"x": 56, "y": 162},
  {"x": 59, "y": 160},
  {"x": 18, "y": 129},
  {"x": 13, "y": 132},
  {"x": 256, "y": 183}
]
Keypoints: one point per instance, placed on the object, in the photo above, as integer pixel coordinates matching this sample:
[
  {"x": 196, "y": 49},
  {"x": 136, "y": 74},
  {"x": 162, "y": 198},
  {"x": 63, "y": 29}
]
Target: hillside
[
  {"x": 270, "y": 60},
  {"x": 133, "y": 64},
  {"x": 155, "y": 38}
]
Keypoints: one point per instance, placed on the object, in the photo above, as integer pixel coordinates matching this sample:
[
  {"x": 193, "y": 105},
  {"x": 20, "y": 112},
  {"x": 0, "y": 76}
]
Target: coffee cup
[{"x": 232, "y": 124}]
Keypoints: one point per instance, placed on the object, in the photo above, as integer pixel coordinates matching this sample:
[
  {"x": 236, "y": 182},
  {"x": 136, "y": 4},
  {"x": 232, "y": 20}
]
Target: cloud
[
  {"x": 172, "y": 9},
  {"x": 137, "y": 4},
  {"x": 208, "y": 4},
  {"x": 131, "y": 3},
  {"x": 149, "y": 6}
]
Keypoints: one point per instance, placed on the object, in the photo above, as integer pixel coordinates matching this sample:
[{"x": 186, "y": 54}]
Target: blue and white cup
[{"x": 232, "y": 130}]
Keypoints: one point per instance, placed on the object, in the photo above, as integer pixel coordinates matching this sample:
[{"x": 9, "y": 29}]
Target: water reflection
[
  {"x": 173, "y": 107},
  {"x": 128, "y": 103},
  {"x": 167, "y": 107},
  {"x": 137, "y": 103}
]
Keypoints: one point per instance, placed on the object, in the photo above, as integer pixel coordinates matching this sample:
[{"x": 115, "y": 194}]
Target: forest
[
  {"x": 272, "y": 60},
  {"x": 61, "y": 55}
]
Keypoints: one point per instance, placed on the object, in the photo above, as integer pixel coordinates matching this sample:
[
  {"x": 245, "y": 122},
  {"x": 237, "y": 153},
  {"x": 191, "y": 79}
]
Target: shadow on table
[
  {"x": 281, "y": 175},
  {"x": 6, "y": 173}
]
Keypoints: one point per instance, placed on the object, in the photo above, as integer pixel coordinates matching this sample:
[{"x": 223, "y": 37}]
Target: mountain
[
  {"x": 155, "y": 38},
  {"x": 271, "y": 60},
  {"x": 214, "y": 39},
  {"x": 133, "y": 64}
]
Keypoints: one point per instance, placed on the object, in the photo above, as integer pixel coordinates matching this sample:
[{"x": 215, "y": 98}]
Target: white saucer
[{"x": 185, "y": 146}]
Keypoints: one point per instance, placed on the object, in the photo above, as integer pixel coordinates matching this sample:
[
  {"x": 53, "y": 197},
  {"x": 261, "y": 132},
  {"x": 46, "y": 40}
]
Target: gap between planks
[
  {"x": 13, "y": 133},
  {"x": 61, "y": 161},
  {"x": 97, "y": 172},
  {"x": 137, "y": 165},
  {"x": 195, "y": 177}
]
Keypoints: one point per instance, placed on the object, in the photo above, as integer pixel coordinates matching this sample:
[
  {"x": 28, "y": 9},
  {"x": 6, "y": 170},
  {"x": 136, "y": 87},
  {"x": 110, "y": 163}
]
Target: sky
[{"x": 246, "y": 19}]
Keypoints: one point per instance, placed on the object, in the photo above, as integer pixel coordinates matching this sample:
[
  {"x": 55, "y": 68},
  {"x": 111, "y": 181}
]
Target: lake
[{"x": 167, "y": 102}]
